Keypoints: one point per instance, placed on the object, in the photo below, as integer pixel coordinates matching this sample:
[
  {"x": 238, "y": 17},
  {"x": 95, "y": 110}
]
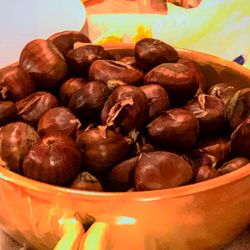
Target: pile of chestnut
[{"x": 76, "y": 115}]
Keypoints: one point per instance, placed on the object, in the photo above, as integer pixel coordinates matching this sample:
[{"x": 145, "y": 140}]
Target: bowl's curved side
[{"x": 202, "y": 216}]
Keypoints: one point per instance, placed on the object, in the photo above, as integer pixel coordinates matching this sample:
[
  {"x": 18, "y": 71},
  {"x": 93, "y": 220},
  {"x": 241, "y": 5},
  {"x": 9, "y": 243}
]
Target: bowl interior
[{"x": 216, "y": 70}]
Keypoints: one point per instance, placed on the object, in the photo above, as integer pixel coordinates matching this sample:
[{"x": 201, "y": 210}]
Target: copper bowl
[{"x": 207, "y": 215}]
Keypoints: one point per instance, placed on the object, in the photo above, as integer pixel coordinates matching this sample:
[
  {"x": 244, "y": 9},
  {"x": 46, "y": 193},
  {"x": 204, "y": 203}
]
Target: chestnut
[
  {"x": 44, "y": 62},
  {"x": 129, "y": 60},
  {"x": 31, "y": 108},
  {"x": 216, "y": 148},
  {"x": 54, "y": 159},
  {"x": 87, "y": 181},
  {"x": 16, "y": 139},
  {"x": 223, "y": 91},
  {"x": 205, "y": 173},
  {"x": 102, "y": 148},
  {"x": 8, "y": 112},
  {"x": 150, "y": 52},
  {"x": 88, "y": 101},
  {"x": 126, "y": 109},
  {"x": 240, "y": 139},
  {"x": 178, "y": 79},
  {"x": 69, "y": 87},
  {"x": 198, "y": 74},
  {"x": 161, "y": 169},
  {"x": 65, "y": 40},
  {"x": 120, "y": 177},
  {"x": 238, "y": 107},
  {"x": 158, "y": 99},
  {"x": 210, "y": 111},
  {"x": 80, "y": 59},
  {"x": 114, "y": 73},
  {"x": 15, "y": 83},
  {"x": 232, "y": 165},
  {"x": 59, "y": 119},
  {"x": 174, "y": 129}
]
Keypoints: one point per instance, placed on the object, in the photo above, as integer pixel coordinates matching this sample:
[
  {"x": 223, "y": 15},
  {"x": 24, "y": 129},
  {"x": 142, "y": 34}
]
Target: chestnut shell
[
  {"x": 16, "y": 139},
  {"x": 31, "y": 108},
  {"x": 15, "y": 83},
  {"x": 54, "y": 159},
  {"x": 44, "y": 62},
  {"x": 161, "y": 169}
]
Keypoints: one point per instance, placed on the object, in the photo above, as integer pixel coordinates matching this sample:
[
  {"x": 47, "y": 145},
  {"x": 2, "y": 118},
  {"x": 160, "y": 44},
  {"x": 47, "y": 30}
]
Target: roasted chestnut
[
  {"x": 120, "y": 177},
  {"x": 88, "y": 101},
  {"x": 210, "y": 111},
  {"x": 102, "y": 148},
  {"x": 65, "y": 40},
  {"x": 216, "y": 148},
  {"x": 130, "y": 60},
  {"x": 160, "y": 169},
  {"x": 238, "y": 107},
  {"x": 158, "y": 99},
  {"x": 54, "y": 159},
  {"x": 69, "y": 87},
  {"x": 174, "y": 129},
  {"x": 59, "y": 119},
  {"x": 15, "y": 83},
  {"x": 223, "y": 91},
  {"x": 205, "y": 173},
  {"x": 16, "y": 139},
  {"x": 126, "y": 108},
  {"x": 150, "y": 52},
  {"x": 31, "y": 108},
  {"x": 198, "y": 74},
  {"x": 240, "y": 139},
  {"x": 178, "y": 79},
  {"x": 8, "y": 112},
  {"x": 232, "y": 165},
  {"x": 114, "y": 73},
  {"x": 81, "y": 58},
  {"x": 87, "y": 181},
  {"x": 44, "y": 62}
]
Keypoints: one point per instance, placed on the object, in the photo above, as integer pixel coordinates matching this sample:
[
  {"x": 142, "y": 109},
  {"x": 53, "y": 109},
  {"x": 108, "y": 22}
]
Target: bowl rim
[{"x": 220, "y": 181}]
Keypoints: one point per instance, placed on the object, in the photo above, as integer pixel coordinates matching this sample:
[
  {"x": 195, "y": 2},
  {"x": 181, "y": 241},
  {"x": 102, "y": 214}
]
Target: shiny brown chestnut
[
  {"x": 240, "y": 139},
  {"x": 8, "y": 112},
  {"x": 161, "y": 169},
  {"x": 87, "y": 181},
  {"x": 150, "y": 52},
  {"x": 238, "y": 107},
  {"x": 205, "y": 173},
  {"x": 158, "y": 99},
  {"x": 65, "y": 40},
  {"x": 69, "y": 87},
  {"x": 54, "y": 159},
  {"x": 88, "y": 101},
  {"x": 210, "y": 111},
  {"x": 44, "y": 62},
  {"x": 80, "y": 59},
  {"x": 232, "y": 165},
  {"x": 31, "y": 108},
  {"x": 178, "y": 79},
  {"x": 198, "y": 74},
  {"x": 174, "y": 129},
  {"x": 126, "y": 109},
  {"x": 223, "y": 91},
  {"x": 15, "y": 83},
  {"x": 58, "y": 119},
  {"x": 16, "y": 139},
  {"x": 216, "y": 148},
  {"x": 102, "y": 148},
  {"x": 120, "y": 177},
  {"x": 114, "y": 73}
]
